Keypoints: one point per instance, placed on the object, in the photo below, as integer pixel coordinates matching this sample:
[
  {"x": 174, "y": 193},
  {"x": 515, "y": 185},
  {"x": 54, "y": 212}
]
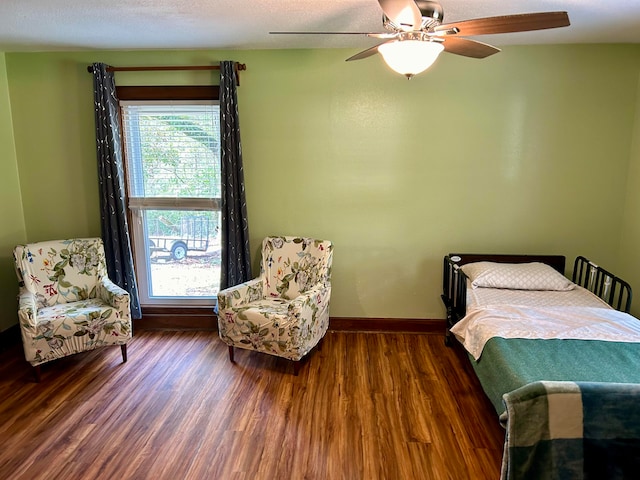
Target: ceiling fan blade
[
  {"x": 369, "y": 34},
  {"x": 365, "y": 53},
  {"x": 403, "y": 13},
  {"x": 385, "y": 35},
  {"x": 468, "y": 48},
  {"x": 505, "y": 24}
]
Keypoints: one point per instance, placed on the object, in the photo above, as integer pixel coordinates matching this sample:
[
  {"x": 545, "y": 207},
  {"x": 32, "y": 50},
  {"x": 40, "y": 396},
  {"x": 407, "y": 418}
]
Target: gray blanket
[{"x": 572, "y": 430}]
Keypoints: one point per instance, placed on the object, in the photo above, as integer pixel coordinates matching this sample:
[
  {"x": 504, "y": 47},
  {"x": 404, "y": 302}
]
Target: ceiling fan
[{"x": 416, "y": 35}]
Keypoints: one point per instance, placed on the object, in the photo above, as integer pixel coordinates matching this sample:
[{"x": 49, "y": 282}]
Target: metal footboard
[{"x": 613, "y": 290}]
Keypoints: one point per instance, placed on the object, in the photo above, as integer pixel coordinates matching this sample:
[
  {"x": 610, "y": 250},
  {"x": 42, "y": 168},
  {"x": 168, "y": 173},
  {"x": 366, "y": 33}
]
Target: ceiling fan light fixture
[{"x": 410, "y": 57}]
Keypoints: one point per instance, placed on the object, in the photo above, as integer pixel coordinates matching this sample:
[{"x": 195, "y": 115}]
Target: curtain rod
[{"x": 238, "y": 67}]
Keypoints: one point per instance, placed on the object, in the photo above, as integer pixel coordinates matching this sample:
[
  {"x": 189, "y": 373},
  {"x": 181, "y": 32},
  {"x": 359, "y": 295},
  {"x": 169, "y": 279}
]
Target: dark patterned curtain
[
  {"x": 236, "y": 258},
  {"x": 115, "y": 232}
]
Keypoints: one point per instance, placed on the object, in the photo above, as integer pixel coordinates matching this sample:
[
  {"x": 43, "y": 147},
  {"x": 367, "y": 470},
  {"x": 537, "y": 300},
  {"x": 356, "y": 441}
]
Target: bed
[{"x": 559, "y": 360}]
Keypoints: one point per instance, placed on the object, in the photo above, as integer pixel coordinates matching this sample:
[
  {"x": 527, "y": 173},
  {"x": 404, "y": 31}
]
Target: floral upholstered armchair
[
  {"x": 67, "y": 304},
  {"x": 285, "y": 311}
]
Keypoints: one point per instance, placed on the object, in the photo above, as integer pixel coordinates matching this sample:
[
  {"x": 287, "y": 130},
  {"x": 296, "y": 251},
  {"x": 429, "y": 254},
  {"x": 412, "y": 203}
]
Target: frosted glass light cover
[{"x": 410, "y": 57}]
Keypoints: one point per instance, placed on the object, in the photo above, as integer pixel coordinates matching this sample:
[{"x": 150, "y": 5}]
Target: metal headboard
[
  {"x": 454, "y": 290},
  {"x": 454, "y": 286}
]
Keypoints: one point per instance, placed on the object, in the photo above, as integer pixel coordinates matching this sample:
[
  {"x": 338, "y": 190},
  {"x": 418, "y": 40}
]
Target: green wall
[
  {"x": 526, "y": 151},
  {"x": 629, "y": 258},
  {"x": 12, "y": 231}
]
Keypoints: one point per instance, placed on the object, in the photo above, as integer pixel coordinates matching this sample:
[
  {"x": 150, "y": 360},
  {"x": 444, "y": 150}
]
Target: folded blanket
[{"x": 572, "y": 430}]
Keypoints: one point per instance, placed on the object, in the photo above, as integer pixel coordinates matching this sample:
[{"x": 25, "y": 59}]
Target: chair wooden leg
[
  {"x": 123, "y": 348},
  {"x": 36, "y": 373},
  {"x": 231, "y": 354}
]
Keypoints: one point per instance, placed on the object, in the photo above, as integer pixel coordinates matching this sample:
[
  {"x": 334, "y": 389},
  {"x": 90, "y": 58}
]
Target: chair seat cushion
[
  {"x": 74, "y": 327},
  {"x": 76, "y": 310},
  {"x": 267, "y": 310},
  {"x": 265, "y": 313},
  {"x": 263, "y": 325}
]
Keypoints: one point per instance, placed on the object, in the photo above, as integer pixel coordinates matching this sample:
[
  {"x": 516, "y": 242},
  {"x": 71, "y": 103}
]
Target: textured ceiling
[{"x": 43, "y": 25}]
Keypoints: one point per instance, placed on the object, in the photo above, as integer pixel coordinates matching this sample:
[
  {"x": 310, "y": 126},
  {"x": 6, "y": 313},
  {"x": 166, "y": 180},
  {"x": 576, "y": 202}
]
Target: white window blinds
[{"x": 172, "y": 150}]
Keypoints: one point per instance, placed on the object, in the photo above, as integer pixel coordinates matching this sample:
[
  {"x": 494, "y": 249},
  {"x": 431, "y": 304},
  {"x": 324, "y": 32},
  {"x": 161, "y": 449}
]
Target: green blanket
[{"x": 508, "y": 364}]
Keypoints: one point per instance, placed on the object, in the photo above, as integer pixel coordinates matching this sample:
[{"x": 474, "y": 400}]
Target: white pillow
[{"x": 516, "y": 276}]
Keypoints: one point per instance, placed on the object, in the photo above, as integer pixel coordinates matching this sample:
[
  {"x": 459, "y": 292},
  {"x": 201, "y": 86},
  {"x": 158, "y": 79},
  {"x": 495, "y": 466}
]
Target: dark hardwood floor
[{"x": 365, "y": 406}]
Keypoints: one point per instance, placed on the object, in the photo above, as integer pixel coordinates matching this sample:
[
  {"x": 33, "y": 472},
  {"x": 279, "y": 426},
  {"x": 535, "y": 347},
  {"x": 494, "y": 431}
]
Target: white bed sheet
[{"x": 576, "y": 314}]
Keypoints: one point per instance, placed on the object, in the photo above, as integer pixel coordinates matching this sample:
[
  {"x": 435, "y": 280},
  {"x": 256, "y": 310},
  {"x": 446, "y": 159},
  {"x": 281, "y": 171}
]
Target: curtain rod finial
[{"x": 241, "y": 66}]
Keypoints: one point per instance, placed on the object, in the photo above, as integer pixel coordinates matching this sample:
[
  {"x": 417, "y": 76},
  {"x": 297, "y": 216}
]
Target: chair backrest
[
  {"x": 61, "y": 271},
  {"x": 293, "y": 265}
]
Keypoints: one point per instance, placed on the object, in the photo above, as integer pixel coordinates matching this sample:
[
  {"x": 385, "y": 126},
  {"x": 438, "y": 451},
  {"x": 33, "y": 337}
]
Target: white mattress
[{"x": 575, "y": 314}]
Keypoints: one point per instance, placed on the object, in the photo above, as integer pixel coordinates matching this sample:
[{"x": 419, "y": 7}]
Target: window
[{"x": 172, "y": 159}]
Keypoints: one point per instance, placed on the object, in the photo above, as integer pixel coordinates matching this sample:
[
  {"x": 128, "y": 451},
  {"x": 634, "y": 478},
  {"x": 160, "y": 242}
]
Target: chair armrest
[
  {"x": 27, "y": 307},
  {"x": 317, "y": 296},
  {"x": 241, "y": 294},
  {"x": 112, "y": 294}
]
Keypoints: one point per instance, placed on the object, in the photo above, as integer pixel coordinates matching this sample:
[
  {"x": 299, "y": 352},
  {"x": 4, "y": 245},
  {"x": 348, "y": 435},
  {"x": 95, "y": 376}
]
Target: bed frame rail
[{"x": 613, "y": 290}]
